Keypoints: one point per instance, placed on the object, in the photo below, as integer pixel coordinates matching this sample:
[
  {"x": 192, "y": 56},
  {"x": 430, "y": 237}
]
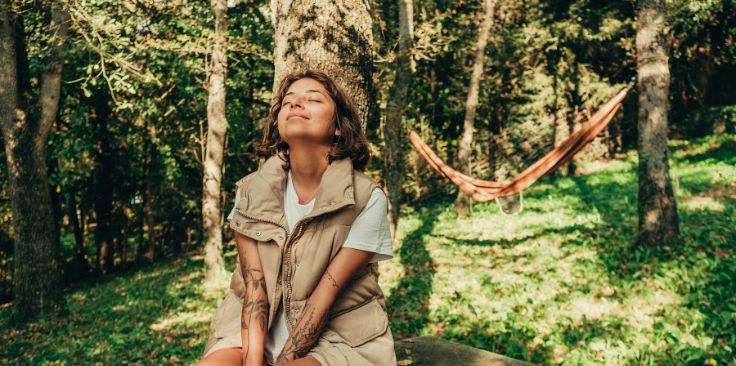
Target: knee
[
  {"x": 208, "y": 361},
  {"x": 223, "y": 357}
]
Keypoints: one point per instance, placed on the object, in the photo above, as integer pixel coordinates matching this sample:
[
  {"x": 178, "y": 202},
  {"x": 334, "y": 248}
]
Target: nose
[{"x": 297, "y": 101}]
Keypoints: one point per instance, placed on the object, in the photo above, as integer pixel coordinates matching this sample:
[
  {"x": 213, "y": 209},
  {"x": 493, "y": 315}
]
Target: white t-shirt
[{"x": 369, "y": 232}]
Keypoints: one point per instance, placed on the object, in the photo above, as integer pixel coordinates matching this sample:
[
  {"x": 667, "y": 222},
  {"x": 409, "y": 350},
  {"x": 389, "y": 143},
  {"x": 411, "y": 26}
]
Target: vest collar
[{"x": 269, "y": 186}]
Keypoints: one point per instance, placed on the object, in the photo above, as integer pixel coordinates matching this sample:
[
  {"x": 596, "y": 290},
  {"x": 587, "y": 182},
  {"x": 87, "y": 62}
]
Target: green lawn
[{"x": 558, "y": 283}]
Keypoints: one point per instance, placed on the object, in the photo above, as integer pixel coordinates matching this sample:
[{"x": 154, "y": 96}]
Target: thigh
[{"x": 223, "y": 357}]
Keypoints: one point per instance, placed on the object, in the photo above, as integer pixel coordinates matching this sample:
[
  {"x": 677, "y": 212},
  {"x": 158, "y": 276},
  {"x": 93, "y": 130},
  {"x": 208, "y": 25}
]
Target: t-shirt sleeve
[
  {"x": 235, "y": 203},
  {"x": 370, "y": 231}
]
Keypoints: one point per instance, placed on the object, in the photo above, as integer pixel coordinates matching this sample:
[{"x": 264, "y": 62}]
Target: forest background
[{"x": 563, "y": 281}]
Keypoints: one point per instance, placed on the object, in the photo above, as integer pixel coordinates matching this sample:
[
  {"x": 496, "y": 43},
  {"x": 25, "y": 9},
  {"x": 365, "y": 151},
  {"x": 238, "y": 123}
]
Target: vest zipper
[
  {"x": 286, "y": 251},
  {"x": 286, "y": 265},
  {"x": 290, "y": 243}
]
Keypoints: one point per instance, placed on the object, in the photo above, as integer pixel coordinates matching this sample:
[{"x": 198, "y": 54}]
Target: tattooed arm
[
  {"x": 255, "y": 302},
  {"x": 314, "y": 316}
]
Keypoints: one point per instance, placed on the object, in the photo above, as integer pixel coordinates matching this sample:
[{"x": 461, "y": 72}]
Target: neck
[{"x": 307, "y": 165}]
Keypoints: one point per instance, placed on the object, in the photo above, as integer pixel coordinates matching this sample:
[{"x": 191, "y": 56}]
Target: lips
[{"x": 296, "y": 115}]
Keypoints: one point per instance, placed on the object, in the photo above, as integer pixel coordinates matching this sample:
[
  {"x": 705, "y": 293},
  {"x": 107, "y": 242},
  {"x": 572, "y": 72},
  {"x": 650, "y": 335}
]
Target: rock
[{"x": 436, "y": 351}]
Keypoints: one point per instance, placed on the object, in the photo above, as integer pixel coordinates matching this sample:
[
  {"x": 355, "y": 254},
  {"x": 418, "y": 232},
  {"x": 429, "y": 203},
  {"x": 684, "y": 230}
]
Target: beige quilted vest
[{"x": 358, "y": 314}]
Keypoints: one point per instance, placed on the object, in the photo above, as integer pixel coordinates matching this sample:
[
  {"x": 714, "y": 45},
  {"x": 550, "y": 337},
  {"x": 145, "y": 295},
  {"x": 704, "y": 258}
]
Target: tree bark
[
  {"x": 147, "y": 245},
  {"x": 37, "y": 279},
  {"x": 463, "y": 202},
  {"x": 103, "y": 182},
  {"x": 658, "y": 221},
  {"x": 574, "y": 101},
  {"x": 216, "y": 129},
  {"x": 397, "y": 96},
  {"x": 331, "y": 36},
  {"x": 81, "y": 267}
]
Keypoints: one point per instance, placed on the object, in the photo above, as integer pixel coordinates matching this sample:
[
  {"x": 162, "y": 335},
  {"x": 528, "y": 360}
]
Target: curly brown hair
[{"x": 350, "y": 143}]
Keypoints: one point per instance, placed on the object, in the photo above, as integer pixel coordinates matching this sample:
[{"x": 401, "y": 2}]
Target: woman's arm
[
  {"x": 314, "y": 316},
  {"x": 255, "y": 301}
]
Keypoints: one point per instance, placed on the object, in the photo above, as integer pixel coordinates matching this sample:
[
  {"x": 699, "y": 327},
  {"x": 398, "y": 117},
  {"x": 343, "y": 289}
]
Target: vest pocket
[
  {"x": 359, "y": 325},
  {"x": 227, "y": 316}
]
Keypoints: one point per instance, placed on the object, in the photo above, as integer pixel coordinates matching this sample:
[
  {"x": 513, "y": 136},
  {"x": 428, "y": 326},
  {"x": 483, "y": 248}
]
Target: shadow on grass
[
  {"x": 408, "y": 303},
  {"x": 510, "y": 243},
  {"x": 147, "y": 318},
  {"x": 722, "y": 151},
  {"x": 700, "y": 272},
  {"x": 705, "y": 263}
]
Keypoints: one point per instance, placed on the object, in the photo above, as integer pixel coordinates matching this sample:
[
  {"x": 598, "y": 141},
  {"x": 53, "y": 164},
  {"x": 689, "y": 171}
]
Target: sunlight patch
[
  {"x": 181, "y": 318},
  {"x": 592, "y": 309},
  {"x": 703, "y": 203}
]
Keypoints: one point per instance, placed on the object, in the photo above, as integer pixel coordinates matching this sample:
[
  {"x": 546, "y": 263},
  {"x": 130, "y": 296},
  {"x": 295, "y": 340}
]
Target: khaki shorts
[{"x": 367, "y": 346}]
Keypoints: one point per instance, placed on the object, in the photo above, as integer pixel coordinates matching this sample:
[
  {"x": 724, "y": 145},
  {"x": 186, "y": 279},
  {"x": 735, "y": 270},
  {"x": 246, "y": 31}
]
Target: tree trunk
[
  {"x": 658, "y": 222},
  {"x": 333, "y": 37},
  {"x": 123, "y": 243},
  {"x": 103, "y": 182},
  {"x": 147, "y": 246},
  {"x": 216, "y": 129},
  {"x": 81, "y": 267},
  {"x": 37, "y": 278},
  {"x": 463, "y": 202},
  {"x": 397, "y": 96}
]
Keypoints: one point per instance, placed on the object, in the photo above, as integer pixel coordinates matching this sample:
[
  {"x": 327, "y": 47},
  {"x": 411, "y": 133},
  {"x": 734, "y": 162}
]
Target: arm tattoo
[
  {"x": 254, "y": 307},
  {"x": 304, "y": 336},
  {"x": 332, "y": 279}
]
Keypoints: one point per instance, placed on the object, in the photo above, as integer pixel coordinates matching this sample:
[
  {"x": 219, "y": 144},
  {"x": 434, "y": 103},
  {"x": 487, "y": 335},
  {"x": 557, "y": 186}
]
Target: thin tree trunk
[
  {"x": 150, "y": 247},
  {"x": 334, "y": 37},
  {"x": 216, "y": 129},
  {"x": 81, "y": 266},
  {"x": 464, "y": 202},
  {"x": 37, "y": 278},
  {"x": 123, "y": 243},
  {"x": 103, "y": 179},
  {"x": 658, "y": 221},
  {"x": 141, "y": 247},
  {"x": 397, "y": 95},
  {"x": 574, "y": 101}
]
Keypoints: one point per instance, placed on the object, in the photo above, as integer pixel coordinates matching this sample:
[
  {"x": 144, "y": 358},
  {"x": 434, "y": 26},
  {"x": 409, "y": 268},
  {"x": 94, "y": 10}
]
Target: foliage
[{"x": 548, "y": 64}]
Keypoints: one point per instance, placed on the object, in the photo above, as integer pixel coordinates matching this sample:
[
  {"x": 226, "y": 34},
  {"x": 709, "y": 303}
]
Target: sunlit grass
[{"x": 560, "y": 282}]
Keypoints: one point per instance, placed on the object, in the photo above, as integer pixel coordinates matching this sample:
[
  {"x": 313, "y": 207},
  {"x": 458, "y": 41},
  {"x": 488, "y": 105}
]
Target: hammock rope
[{"x": 485, "y": 190}]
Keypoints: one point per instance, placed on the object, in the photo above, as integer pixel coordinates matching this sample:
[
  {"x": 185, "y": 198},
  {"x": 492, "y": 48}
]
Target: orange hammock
[{"x": 484, "y": 190}]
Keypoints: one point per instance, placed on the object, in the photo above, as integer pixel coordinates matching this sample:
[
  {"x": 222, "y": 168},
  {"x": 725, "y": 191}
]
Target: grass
[{"x": 558, "y": 283}]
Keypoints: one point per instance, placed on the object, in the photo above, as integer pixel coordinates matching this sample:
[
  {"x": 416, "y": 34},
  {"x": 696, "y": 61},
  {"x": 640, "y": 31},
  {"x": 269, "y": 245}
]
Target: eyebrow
[{"x": 308, "y": 91}]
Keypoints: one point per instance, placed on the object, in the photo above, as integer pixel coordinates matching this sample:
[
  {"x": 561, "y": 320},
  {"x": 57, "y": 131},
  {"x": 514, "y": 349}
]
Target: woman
[{"x": 310, "y": 228}]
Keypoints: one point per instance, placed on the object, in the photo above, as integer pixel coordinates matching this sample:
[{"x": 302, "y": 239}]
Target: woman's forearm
[
  {"x": 314, "y": 315},
  {"x": 254, "y": 318},
  {"x": 310, "y": 324}
]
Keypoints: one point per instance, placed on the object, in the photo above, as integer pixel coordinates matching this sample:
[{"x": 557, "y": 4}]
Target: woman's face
[{"x": 307, "y": 114}]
